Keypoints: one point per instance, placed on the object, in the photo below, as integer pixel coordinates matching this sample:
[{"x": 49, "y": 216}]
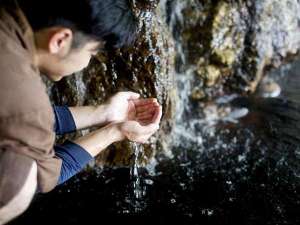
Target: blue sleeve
[
  {"x": 74, "y": 159},
  {"x": 64, "y": 121}
]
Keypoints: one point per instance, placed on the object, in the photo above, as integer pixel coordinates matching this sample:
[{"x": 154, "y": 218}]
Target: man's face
[
  {"x": 56, "y": 56},
  {"x": 56, "y": 68}
]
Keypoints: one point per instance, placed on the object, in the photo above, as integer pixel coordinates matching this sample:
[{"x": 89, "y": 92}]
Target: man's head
[
  {"x": 18, "y": 184},
  {"x": 69, "y": 32}
]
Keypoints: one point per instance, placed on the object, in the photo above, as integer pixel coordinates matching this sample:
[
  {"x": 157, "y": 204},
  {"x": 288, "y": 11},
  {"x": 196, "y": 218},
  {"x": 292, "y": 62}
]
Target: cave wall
[{"x": 230, "y": 44}]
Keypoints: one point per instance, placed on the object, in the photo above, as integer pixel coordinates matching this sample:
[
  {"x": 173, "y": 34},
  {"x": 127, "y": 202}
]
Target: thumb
[{"x": 132, "y": 95}]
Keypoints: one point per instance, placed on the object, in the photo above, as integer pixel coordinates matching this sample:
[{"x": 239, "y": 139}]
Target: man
[{"x": 58, "y": 38}]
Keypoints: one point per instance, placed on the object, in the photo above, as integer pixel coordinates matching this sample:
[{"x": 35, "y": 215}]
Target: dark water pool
[
  {"x": 244, "y": 181},
  {"x": 242, "y": 174}
]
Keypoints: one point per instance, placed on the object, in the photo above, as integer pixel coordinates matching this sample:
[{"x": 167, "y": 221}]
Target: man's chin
[
  {"x": 55, "y": 78},
  {"x": 51, "y": 75}
]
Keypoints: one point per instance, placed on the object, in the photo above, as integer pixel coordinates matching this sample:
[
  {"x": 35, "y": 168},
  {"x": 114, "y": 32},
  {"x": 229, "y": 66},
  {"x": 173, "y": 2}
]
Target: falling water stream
[
  {"x": 134, "y": 173},
  {"x": 137, "y": 188}
]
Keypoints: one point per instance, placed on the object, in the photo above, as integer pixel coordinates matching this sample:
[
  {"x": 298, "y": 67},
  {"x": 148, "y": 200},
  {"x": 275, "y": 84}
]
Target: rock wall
[
  {"x": 226, "y": 45},
  {"x": 146, "y": 68},
  {"x": 229, "y": 44}
]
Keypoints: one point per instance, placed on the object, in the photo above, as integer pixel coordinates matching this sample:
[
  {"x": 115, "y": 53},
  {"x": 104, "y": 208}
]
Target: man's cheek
[
  {"x": 85, "y": 63},
  {"x": 88, "y": 59}
]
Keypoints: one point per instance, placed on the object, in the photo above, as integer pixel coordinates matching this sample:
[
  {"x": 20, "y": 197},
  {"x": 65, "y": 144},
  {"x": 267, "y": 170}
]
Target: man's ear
[{"x": 60, "y": 41}]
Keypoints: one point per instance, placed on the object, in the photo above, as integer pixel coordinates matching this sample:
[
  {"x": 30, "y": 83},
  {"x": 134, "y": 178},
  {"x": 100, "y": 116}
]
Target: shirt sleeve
[
  {"x": 74, "y": 159},
  {"x": 64, "y": 121}
]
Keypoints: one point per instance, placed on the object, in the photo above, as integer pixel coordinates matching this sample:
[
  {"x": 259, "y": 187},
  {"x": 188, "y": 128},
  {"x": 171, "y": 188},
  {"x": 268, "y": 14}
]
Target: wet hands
[
  {"x": 144, "y": 122},
  {"x": 124, "y": 115},
  {"x": 137, "y": 119}
]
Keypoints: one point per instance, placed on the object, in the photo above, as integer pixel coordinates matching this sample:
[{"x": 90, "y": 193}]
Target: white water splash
[{"x": 139, "y": 191}]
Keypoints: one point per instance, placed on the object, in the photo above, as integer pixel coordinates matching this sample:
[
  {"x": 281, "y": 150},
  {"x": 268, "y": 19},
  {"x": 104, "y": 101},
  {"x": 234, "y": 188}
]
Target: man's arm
[
  {"x": 64, "y": 121},
  {"x": 77, "y": 154},
  {"x": 70, "y": 119},
  {"x": 122, "y": 106},
  {"x": 88, "y": 116},
  {"x": 99, "y": 140}
]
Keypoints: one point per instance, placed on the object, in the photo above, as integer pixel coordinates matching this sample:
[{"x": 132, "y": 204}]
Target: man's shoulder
[{"x": 21, "y": 86}]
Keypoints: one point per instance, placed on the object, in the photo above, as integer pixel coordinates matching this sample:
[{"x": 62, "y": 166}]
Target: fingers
[
  {"x": 133, "y": 95},
  {"x": 149, "y": 112},
  {"x": 143, "y": 139},
  {"x": 153, "y": 116},
  {"x": 146, "y": 119},
  {"x": 146, "y": 108},
  {"x": 136, "y": 129},
  {"x": 130, "y": 95},
  {"x": 144, "y": 122},
  {"x": 146, "y": 130},
  {"x": 157, "y": 116},
  {"x": 142, "y": 102},
  {"x": 140, "y": 139},
  {"x": 149, "y": 129},
  {"x": 138, "y": 132}
]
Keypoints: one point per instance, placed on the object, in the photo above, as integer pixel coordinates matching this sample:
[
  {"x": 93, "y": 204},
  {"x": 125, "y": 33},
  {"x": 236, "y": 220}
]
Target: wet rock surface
[
  {"x": 146, "y": 68},
  {"x": 230, "y": 44},
  {"x": 225, "y": 46}
]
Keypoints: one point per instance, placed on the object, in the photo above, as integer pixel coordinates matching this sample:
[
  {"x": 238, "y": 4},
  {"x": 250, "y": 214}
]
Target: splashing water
[
  {"x": 81, "y": 88},
  {"x": 138, "y": 189}
]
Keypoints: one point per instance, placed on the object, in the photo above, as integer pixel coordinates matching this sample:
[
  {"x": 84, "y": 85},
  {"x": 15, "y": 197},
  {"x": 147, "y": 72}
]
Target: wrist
[
  {"x": 115, "y": 132},
  {"x": 99, "y": 140},
  {"x": 101, "y": 115}
]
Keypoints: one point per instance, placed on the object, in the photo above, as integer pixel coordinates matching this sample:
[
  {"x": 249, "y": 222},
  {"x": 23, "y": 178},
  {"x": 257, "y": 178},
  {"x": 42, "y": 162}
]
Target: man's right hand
[{"x": 144, "y": 126}]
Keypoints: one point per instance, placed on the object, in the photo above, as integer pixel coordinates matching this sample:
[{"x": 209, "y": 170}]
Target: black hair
[{"x": 111, "y": 21}]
